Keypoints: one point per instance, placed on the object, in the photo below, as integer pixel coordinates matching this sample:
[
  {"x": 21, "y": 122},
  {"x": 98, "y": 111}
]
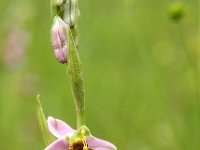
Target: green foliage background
[{"x": 141, "y": 91}]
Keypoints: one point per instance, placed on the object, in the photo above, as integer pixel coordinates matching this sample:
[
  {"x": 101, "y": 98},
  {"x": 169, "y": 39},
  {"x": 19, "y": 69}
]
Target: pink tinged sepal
[
  {"x": 59, "y": 39},
  {"x": 98, "y": 144},
  {"x": 59, "y": 128},
  {"x": 59, "y": 144}
]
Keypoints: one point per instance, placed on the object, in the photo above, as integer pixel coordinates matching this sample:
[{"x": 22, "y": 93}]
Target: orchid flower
[{"x": 70, "y": 139}]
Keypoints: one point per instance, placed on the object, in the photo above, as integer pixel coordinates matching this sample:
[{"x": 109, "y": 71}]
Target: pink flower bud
[{"x": 59, "y": 39}]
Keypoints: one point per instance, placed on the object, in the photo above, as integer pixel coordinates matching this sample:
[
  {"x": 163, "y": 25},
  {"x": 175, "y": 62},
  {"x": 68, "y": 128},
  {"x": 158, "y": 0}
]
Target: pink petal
[
  {"x": 58, "y": 128},
  {"x": 101, "y": 149},
  {"x": 59, "y": 144},
  {"x": 98, "y": 144}
]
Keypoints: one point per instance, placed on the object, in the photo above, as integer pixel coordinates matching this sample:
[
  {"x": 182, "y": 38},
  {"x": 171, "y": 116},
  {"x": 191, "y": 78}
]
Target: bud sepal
[{"x": 59, "y": 39}]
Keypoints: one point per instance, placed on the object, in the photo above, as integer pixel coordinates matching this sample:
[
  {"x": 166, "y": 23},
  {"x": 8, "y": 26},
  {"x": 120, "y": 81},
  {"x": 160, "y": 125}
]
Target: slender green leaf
[
  {"x": 75, "y": 76},
  {"x": 48, "y": 138}
]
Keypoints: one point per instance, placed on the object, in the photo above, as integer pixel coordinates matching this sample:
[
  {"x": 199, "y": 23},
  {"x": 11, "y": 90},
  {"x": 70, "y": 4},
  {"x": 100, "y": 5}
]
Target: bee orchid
[{"x": 70, "y": 139}]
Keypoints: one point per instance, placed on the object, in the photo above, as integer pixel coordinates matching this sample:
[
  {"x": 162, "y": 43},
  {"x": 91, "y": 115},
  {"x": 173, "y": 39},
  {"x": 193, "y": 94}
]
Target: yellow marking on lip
[{"x": 81, "y": 145}]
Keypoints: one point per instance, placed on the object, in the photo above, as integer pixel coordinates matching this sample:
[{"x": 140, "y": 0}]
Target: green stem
[
  {"x": 80, "y": 114},
  {"x": 80, "y": 106},
  {"x": 182, "y": 44},
  {"x": 194, "y": 67}
]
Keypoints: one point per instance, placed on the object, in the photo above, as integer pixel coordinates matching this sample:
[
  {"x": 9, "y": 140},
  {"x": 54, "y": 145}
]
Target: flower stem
[
  {"x": 80, "y": 114},
  {"x": 195, "y": 70}
]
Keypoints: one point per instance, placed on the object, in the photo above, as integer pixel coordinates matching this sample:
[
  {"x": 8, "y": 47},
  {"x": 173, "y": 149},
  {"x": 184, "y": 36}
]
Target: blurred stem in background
[
  {"x": 176, "y": 12},
  {"x": 194, "y": 67}
]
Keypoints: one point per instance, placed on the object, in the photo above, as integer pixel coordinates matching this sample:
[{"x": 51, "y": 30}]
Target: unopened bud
[
  {"x": 176, "y": 11},
  {"x": 59, "y": 39},
  {"x": 71, "y": 14},
  {"x": 57, "y": 8}
]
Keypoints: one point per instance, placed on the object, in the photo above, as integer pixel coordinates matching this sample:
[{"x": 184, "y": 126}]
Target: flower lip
[{"x": 80, "y": 145}]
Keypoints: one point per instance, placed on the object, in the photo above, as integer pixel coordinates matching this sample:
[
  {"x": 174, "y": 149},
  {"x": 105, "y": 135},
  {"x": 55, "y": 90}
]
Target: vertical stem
[
  {"x": 196, "y": 105},
  {"x": 80, "y": 114},
  {"x": 80, "y": 107},
  {"x": 194, "y": 67},
  {"x": 197, "y": 82},
  {"x": 181, "y": 40}
]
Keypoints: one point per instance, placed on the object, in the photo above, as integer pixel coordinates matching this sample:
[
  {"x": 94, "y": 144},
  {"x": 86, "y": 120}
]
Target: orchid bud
[
  {"x": 59, "y": 39},
  {"x": 71, "y": 13},
  {"x": 57, "y": 8},
  {"x": 176, "y": 11}
]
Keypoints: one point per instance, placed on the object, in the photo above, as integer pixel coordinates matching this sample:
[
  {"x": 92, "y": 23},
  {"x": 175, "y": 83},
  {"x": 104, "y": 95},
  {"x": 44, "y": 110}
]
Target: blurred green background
[{"x": 140, "y": 74}]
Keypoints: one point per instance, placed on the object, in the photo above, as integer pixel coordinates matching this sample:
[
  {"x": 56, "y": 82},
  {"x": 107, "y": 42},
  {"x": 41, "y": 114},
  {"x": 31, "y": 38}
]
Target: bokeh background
[{"x": 140, "y": 73}]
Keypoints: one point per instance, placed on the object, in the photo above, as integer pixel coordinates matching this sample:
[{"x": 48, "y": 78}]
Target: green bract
[
  {"x": 76, "y": 80},
  {"x": 43, "y": 123}
]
